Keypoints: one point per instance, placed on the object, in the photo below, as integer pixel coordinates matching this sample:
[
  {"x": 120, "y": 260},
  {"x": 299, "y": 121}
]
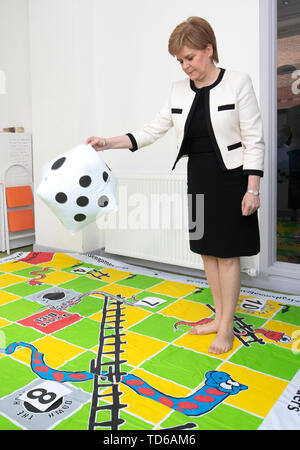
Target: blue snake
[{"x": 217, "y": 386}]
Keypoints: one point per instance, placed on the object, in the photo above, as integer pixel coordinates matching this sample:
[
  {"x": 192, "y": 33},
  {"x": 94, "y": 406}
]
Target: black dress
[{"x": 226, "y": 232}]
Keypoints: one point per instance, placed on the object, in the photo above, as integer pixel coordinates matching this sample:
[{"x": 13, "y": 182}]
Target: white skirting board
[{"x": 152, "y": 222}]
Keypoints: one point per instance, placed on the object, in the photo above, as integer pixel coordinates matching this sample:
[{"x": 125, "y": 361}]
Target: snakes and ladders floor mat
[{"x": 88, "y": 343}]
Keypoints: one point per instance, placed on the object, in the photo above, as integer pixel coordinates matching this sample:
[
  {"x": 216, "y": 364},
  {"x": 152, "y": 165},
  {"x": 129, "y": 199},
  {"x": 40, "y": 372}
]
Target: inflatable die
[{"x": 78, "y": 186}]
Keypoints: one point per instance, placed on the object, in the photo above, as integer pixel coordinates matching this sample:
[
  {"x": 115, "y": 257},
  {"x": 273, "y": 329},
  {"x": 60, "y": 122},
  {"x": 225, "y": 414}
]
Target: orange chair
[
  {"x": 18, "y": 196},
  {"x": 19, "y": 219}
]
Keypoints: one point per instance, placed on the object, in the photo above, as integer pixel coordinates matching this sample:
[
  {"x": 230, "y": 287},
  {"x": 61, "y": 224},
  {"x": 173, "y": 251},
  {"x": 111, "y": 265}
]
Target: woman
[{"x": 218, "y": 126}]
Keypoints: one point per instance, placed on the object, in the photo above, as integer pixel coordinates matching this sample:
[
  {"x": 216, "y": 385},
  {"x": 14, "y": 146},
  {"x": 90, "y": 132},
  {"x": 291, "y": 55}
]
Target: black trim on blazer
[
  {"x": 176, "y": 110},
  {"x": 211, "y": 132},
  {"x": 225, "y": 107},
  {"x": 207, "y": 114},
  {"x": 234, "y": 146},
  {"x": 260, "y": 173},
  {"x": 133, "y": 141},
  {"x": 220, "y": 76},
  {"x": 186, "y": 125}
]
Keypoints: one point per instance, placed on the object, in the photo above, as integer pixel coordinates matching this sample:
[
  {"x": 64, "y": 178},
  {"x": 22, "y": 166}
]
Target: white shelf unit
[{"x": 16, "y": 170}]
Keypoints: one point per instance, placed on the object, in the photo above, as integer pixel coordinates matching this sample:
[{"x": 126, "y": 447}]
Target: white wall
[
  {"x": 62, "y": 77},
  {"x": 102, "y": 68},
  {"x": 15, "y": 105},
  {"x": 134, "y": 68}
]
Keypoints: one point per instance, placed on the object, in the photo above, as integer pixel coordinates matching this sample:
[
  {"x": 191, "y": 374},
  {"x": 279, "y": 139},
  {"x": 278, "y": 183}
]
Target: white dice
[{"x": 78, "y": 186}]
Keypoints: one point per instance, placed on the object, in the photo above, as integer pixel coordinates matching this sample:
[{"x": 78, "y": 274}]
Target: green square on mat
[
  {"x": 17, "y": 333},
  {"x": 88, "y": 305},
  {"x": 180, "y": 365},
  {"x": 289, "y": 314},
  {"x": 84, "y": 333},
  {"x": 159, "y": 327},
  {"x": 222, "y": 417},
  {"x": 14, "y": 375},
  {"x": 133, "y": 422},
  {"x": 83, "y": 284},
  {"x": 269, "y": 359},
  {"x": 254, "y": 321},
  {"x": 78, "y": 421},
  {"x": 6, "y": 424},
  {"x": 145, "y": 294},
  {"x": 28, "y": 271},
  {"x": 201, "y": 295},
  {"x": 78, "y": 364},
  {"x": 140, "y": 281},
  {"x": 23, "y": 289},
  {"x": 19, "y": 309}
]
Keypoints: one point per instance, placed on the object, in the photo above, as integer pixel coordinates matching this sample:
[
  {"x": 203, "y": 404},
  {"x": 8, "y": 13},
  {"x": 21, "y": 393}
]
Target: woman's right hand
[{"x": 97, "y": 143}]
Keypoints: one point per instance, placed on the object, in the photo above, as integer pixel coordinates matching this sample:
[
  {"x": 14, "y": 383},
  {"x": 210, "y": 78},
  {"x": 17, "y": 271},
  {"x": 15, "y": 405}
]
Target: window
[{"x": 288, "y": 128}]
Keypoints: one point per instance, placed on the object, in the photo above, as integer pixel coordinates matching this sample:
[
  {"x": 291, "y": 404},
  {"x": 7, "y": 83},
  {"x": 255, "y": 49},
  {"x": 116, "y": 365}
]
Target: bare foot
[
  {"x": 222, "y": 342},
  {"x": 207, "y": 328}
]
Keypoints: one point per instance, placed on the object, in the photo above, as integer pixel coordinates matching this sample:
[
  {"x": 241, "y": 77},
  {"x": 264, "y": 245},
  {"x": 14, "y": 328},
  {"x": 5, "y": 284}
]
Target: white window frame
[{"x": 268, "y": 103}]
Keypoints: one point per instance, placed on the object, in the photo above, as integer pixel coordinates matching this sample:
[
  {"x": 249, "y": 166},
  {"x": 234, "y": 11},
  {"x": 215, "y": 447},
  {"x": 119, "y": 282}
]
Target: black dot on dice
[
  {"x": 79, "y": 217},
  {"x": 58, "y": 163},
  {"x": 105, "y": 176},
  {"x": 82, "y": 201},
  {"x": 85, "y": 181},
  {"x": 61, "y": 197},
  {"x": 103, "y": 201}
]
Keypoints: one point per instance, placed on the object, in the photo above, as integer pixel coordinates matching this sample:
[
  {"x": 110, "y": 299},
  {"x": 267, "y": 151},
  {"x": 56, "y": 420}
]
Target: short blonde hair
[{"x": 195, "y": 32}]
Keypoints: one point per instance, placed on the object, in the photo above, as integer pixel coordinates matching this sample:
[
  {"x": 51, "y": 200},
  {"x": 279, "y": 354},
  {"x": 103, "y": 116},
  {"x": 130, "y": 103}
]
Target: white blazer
[{"x": 233, "y": 120}]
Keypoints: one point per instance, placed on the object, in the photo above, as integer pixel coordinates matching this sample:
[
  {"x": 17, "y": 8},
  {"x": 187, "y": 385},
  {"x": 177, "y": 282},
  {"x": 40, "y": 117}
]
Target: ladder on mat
[{"x": 107, "y": 375}]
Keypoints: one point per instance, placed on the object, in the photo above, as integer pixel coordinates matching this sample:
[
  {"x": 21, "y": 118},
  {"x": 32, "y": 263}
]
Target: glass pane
[{"x": 288, "y": 145}]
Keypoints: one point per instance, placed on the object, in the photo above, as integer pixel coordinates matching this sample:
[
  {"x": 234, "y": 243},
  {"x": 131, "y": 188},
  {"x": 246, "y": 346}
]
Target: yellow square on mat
[
  {"x": 58, "y": 277},
  {"x": 137, "y": 349},
  {"x": 3, "y": 323},
  {"x": 146, "y": 408},
  {"x": 114, "y": 275},
  {"x": 60, "y": 261},
  {"x": 132, "y": 316},
  {"x": 201, "y": 344},
  {"x": 56, "y": 352},
  {"x": 8, "y": 279},
  {"x": 279, "y": 333},
  {"x": 13, "y": 266},
  {"x": 98, "y": 315},
  {"x": 263, "y": 390},
  {"x": 6, "y": 297},
  {"x": 257, "y": 307},
  {"x": 187, "y": 310},
  {"x": 172, "y": 288},
  {"x": 117, "y": 289}
]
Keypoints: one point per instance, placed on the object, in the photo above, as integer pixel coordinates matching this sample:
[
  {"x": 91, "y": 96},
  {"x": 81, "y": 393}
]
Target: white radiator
[{"x": 152, "y": 222}]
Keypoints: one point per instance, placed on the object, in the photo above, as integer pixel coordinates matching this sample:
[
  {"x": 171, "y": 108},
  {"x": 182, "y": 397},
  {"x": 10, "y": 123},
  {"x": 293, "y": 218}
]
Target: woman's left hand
[{"x": 250, "y": 204}]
